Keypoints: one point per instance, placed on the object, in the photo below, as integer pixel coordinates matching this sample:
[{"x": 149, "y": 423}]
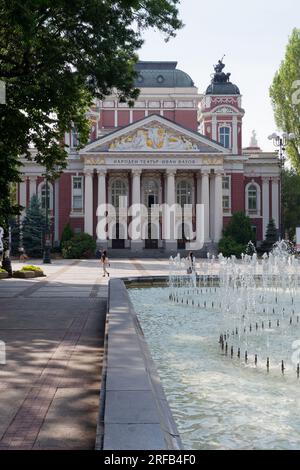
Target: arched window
[
  {"x": 42, "y": 196},
  {"x": 252, "y": 197},
  {"x": 224, "y": 136},
  {"x": 184, "y": 193},
  {"x": 151, "y": 192},
  {"x": 118, "y": 190}
]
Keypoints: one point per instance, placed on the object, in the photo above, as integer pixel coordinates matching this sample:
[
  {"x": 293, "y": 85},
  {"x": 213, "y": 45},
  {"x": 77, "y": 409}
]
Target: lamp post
[
  {"x": 280, "y": 141},
  {"x": 47, "y": 243}
]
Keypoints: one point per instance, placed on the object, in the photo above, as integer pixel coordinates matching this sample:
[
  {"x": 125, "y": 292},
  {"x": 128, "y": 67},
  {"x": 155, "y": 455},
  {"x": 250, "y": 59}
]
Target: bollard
[
  {"x": 298, "y": 370},
  {"x": 255, "y": 359},
  {"x": 226, "y": 348},
  {"x": 239, "y": 353},
  {"x": 231, "y": 352},
  {"x": 278, "y": 323},
  {"x": 246, "y": 357},
  {"x": 282, "y": 367},
  {"x": 268, "y": 364}
]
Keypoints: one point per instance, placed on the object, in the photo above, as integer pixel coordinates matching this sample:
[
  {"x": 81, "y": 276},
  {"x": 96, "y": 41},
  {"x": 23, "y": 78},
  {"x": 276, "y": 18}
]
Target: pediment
[{"x": 154, "y": 134}]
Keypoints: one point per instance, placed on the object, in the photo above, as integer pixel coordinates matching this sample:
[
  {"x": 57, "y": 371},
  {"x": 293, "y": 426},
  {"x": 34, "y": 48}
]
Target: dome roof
[
  {"x": 161, "y": 75},
  {"x": 227, "y": 88}
]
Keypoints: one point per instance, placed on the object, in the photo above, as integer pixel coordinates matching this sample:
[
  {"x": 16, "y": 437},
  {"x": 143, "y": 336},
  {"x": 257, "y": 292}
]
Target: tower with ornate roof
[{"x": 221, "y": 114}]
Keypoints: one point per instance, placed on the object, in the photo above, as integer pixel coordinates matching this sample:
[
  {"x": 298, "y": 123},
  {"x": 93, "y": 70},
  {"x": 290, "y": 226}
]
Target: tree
[
  {"x": 285, "y": 96},
  {"x": 271, "y": 237},
  {"x": 67, "y": 234},
  {"x": 34, "y": 226},
  {"x": 55, "y": 59},
  {"x": 291, "y": 202},
  {"x": 236, "y": 235}
]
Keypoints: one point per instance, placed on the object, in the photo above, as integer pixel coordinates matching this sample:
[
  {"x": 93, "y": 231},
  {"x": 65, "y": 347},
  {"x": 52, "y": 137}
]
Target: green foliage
[
  {"x": 15, "y": 236},
  {"x": 291, "y": 202},
  {"x": 2, "y": 270},
  {"x": 34, "y": 226},
  {"x": 67, "y": 234},
  {"x": 55, "y": 59},
  {"x": 30, "y": 267},
  {"x": 80, "y": 246},
  {"x": 239, "y": 228},
  {"x": 271, "y": 237},
  {"x": 236, "y": 235},
  {"x": 285, "y": 96},
  {"x": 228, "y": 247}
]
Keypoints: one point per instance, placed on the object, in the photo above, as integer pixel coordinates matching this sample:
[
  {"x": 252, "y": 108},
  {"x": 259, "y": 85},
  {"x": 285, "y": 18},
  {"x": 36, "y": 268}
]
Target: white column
[
  {"x": 234, "y": 135},
  {"x": 265, "y": 205},
  {"x": 88, "y": 203},
  {"x": 205, "y": 202},
  {"x": 32, "y": 186},
  {"x": 218, "y": 225},
  {"x": 22, "y": 194},
  {"x": 199, "y": 177},
  {"x": 136, "y": 186},
  {"x": 275, "y": 201},
  {"x": 170, "y": 215},
  {"x": 214, "y": 135},
  {"x": 101, "y": 202},
  {"x": 136, "y": 245}
]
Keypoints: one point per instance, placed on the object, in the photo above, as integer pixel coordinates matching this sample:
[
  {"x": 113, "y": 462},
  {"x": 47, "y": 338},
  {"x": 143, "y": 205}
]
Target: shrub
[
  {"x": 239, "y": 229},
  {"x": 2, "y": 270},
  {"x": 80, "y": 246},
  {"x": 67, "y": 234},
  {"x": 228, "y": 246},
  {"x": 236, "y": 235},
  {"x": 31, "y": 268}
]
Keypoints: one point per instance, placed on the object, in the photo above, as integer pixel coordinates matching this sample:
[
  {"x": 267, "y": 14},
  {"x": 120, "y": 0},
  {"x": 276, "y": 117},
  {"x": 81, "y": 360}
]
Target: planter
[
  {"x": 24, "y": 274},
  {"x": 38, "y": 274},
  {"x": 3, "y": 275}
]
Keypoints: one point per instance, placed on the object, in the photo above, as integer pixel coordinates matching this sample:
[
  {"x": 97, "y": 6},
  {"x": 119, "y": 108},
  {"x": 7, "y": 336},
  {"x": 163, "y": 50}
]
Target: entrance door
[
  {"x": 118, "y": 243},
  {"x": 181, "y": 242},
  {"x": 151, "y": 243}
]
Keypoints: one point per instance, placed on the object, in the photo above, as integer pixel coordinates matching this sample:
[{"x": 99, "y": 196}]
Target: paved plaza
[{"x": 53, "y": 330}]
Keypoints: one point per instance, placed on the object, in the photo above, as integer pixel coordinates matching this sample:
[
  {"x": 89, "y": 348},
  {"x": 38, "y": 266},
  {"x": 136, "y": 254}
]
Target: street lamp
[
  {"x": 281, "y": 141},
  {"x": 47, "y": 243}
]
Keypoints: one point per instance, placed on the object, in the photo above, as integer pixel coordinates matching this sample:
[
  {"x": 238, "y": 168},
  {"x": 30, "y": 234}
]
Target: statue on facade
[{"x": 219, "y": 76}]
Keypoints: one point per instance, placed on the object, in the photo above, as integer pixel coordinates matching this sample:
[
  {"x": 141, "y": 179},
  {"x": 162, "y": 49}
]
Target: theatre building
[{"x": 175, "y": 145}]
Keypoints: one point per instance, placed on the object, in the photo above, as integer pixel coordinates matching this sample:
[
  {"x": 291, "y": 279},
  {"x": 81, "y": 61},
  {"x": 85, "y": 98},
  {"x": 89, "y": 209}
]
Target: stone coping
[{"x": 134, "y": 412}]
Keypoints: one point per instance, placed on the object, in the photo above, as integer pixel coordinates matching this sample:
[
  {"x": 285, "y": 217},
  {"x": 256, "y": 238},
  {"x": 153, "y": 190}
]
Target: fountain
[
  {"x": 226, "y": 341},
  {"x": 259, "y": 303}
]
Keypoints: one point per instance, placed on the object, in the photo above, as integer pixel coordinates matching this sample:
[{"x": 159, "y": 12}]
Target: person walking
[
  {"x": 191, "y": 263},
  {"x": 105, "y": 263}
]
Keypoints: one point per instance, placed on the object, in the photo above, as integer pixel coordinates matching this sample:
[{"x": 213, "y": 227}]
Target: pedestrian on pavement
[{"x": 105, "y": 263}]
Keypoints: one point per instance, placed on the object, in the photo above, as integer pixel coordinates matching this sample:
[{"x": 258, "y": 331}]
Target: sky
[{"x": 253, "y": 36}]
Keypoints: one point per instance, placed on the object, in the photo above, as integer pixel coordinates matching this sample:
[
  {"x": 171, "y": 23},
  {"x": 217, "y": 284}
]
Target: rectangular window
[
  {"x": 226, "y": 190},
  {"x": 74, "y": 138},
  {"x": 225, "y": 183},
  {"x": 226, "y": 204},
  {"x": 77, "y": 193}
]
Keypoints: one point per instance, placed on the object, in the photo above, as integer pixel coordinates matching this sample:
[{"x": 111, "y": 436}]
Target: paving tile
[
  {"x": 133, "y": 437},
  {"x": 130, "y": 407}
]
